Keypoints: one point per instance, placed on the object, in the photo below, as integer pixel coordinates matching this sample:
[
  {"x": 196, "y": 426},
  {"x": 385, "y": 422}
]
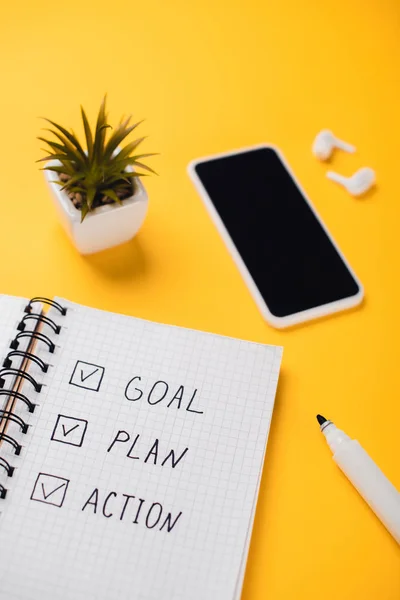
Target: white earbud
[
  {"x": 325, "y": 142},
  {"x": 357, "y": 184}
]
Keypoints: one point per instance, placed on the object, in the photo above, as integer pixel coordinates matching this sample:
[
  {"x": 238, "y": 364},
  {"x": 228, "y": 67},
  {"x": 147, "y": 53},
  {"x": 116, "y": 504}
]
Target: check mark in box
[
  {"x": 69, "y": 430},
  {"x": 50, "y": 489},
  {"x": 87, "y": 376}
]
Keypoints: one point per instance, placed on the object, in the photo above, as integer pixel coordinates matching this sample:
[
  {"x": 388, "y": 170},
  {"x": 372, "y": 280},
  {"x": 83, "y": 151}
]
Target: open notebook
[{"x": 130, "y": 455}]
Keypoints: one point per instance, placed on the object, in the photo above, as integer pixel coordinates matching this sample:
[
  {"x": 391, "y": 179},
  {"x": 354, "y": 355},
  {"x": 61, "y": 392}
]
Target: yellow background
[{"x": 211, "y": 76}]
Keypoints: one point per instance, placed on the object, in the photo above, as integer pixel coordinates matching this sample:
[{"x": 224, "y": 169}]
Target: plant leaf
[
  {"x": 142, "y": 166},
  {"x": 124, "y": 152},
  {"x": 139, "y": 156},
  {"x": 118, "y": 136},
  {"x": 70, "y": 137},
  {"x": 76, "y": 188},
  {"x": 52, "y": 157},
  {"x": 111, "y": 194},
  {"x": 121, "y": 165},
  {"x": 68, "y": 184},
  {"x": 129, "y": 148},
  {"x": 58, "y": 169},
  {"x": 90, "y": 194},
  {"x": 110, "y": 181},
  {"x": 122, "y": 159},
  {"x": 55, "y": 145},
  {"x": 88, "y": 134},
  {"x": 71, "y": 149},
  {"x": 84, "y": 211},
  {"x": 101, "y": 125},
  {"x": 135, "y": 174},
  {"x": 64, "y": 158},
  {"x": 126, "y": 176}
]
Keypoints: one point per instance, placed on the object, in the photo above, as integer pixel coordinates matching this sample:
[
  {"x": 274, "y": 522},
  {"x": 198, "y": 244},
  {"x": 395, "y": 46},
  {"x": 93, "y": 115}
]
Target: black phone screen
[{"x": 291, "y": 259}]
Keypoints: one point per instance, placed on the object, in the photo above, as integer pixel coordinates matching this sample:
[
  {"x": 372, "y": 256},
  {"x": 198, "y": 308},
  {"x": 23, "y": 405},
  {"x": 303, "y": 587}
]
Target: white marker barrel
[{"x": 371, "y": 483}]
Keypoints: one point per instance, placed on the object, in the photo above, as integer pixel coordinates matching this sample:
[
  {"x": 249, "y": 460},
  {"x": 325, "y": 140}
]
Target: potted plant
[{"x": 98, "y": 193}]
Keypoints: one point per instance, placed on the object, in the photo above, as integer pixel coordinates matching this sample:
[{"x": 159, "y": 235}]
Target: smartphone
[{"x": 290, "y": 262}]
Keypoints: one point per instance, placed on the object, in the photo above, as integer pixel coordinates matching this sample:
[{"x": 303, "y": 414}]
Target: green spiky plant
[{"x": 98, "y": 175}]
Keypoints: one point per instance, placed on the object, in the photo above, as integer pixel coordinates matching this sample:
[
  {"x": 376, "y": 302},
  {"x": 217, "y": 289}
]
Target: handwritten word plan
[{"x": 139, "y": 473}]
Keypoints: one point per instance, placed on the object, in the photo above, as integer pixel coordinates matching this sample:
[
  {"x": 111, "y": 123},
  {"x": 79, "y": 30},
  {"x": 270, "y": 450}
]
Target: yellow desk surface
[{"x": 209, "y": 76}]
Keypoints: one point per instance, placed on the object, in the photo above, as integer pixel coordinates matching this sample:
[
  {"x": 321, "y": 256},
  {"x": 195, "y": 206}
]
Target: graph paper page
[{"x": 139, "y": 476}]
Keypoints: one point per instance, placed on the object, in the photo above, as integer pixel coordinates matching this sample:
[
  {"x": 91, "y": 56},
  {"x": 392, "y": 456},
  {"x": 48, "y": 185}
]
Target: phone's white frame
[{"x": 296, "y": 318}]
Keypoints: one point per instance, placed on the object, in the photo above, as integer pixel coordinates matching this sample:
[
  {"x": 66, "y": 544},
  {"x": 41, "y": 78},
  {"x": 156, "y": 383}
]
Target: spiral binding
[
  {"x": 41, "y": 319},
  {"x": 6, "y": 465},
  {"x": 19, "y": 396},
  {"x": 32, "y": 335},
  {"x": 52, "y": 303},
  {"x": 21, "y": 373},
  {"x": 28, "y": 355},
  {"x": 10, "y": 416}
]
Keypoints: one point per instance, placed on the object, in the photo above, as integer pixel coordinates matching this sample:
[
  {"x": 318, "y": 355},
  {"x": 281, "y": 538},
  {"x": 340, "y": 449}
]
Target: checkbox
[
  {"x": 69, "y": 430},
  {"x": 86, "y": 375},
  {"x": 50, "y": 489}
]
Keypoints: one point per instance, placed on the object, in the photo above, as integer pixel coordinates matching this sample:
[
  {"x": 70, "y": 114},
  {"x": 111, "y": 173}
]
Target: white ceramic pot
[{"x": 107, "y": 225}]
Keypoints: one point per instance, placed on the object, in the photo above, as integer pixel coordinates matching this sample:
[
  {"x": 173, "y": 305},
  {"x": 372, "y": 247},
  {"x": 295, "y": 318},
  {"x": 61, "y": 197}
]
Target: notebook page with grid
[{"x": 139, "y": 476}]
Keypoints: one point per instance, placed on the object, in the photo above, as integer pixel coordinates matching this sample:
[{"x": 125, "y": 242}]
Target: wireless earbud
[
  {"x": 325, "y": 142},
  {"x": 357, "y": 184}
]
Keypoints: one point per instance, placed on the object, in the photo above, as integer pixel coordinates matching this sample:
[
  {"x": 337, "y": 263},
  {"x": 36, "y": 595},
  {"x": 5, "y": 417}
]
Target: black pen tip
[{"x": 321, "y": 419}]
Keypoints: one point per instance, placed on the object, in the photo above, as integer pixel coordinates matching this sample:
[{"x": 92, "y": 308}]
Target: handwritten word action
[
  {"x": 125, "y": 506},
  {"x": 51, "y": 489}
]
